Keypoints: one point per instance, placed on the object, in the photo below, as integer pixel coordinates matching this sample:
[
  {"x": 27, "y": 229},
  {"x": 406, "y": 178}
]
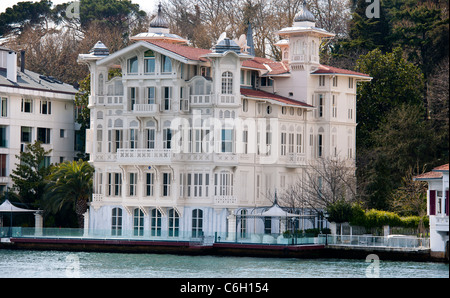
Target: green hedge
[{"x": 372, "y": 218}]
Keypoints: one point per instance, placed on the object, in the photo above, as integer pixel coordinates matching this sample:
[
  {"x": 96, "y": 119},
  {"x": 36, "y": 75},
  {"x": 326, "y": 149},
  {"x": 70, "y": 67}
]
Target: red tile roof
[
  {"x": 267, "y": 95},
  {"x": 441, "y": 168},
  {"x": 428, "y": 175},
  {"x": 273, "y": 67},
  {"x": 325, "y": 69},
  {"x": 190, "y": 53},
  {"x": 436, "y": 173}
]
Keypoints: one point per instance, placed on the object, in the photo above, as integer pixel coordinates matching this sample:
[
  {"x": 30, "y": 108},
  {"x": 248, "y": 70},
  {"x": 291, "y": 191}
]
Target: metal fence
[{"x": 392, "y": 241}]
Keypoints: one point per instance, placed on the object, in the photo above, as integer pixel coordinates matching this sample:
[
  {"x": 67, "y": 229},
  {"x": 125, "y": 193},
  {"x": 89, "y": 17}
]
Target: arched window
[
  {"x": 166, "y": 64},
  {"x": 133, "y": 65},
  {"x": 100, "y": 84},
  {"x": 138, "y": 222},
  {"x": 245, "y": 105},
  {"x": 227, "y": 83},
  {"x": 197, "y": 223},
  {"x": 149, "y": 61},
  {"x": 174, "y": 223},
  {"x": 116, "y": 223},
  {"x": 155, "y": 223}
]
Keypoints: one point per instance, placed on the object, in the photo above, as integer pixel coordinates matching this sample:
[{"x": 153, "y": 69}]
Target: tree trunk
[{"x": 80, "y": 210}]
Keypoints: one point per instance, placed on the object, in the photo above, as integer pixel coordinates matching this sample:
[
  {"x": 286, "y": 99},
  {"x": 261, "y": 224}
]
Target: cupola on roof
[
  {"x": 227, "y": 44},
  {"x": 99, "y": 49},
  {"x": 304, "y": 15},
  {"x": 159, "y": 21}
]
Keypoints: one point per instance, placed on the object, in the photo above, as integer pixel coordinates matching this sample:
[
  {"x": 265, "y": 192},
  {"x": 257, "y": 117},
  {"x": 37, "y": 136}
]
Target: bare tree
[{"x": 324, "y": 182}]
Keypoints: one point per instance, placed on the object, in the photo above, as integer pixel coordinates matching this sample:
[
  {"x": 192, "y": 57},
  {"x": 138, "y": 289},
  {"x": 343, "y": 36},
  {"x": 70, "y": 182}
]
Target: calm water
[{"x": 56, "y": 264}]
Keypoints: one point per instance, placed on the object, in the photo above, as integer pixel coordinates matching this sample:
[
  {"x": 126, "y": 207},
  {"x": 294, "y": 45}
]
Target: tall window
[
  {"x": 227, "y": 141},
  {"x": 115, "y": 140},
  {"x": 3, "y": 136},
  {"x": 3, "y": 107},
  {"x": 299, "y": 143},
  {"x": 114, "y": 184},
  {"x": 321, "y": 80},
  {"x": 116, "y": 223},
  {"x": 133, "y": 96},
  {"x": 174, "y": 223},
  {"x": 334, "y": 106},
  {"x": 27, "y": 106},
  {"x": 291, "y": 143},
  {"x": 227, "y": 83},
  {"x": 149, "y": 184},
  {"x": 166, "y": 185},
  {"x": 155, "y": 223},
  {"x": 150, "y": 138},
  {"x": 223, "y": 182},
  {"x": 167, "y": 138},
  {"x": 45, "y": 107},
  {"x": 283, "y": 143},
  {"x": 133, "y": 138},
  {"x": 133, "y": 184},
  {"x": 335, "y": 81},
  {"x": 321, "y": 103},
  {"x": 43, "y": 135},
  {"x": 167, "y": 98},
  {"x": 133, "y": 65},
  {"x": 166, "y": 64},
  {"x": 3, "y": 158},
  {"x": 149, "y": 61},
  {"x": 350, "y": 83},
  {"x": 138, "y": 222},
  {"x": 151, "y": 95},
  {"x": 25, "y": 134},
  {"x": 197, "y": 223},
  {"x": 320, "y": 145}
]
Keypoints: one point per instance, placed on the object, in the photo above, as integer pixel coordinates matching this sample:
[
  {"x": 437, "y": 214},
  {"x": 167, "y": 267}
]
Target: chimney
[
  {"x": 22, "y": 61},
  {"x": 11, "y": 66}
]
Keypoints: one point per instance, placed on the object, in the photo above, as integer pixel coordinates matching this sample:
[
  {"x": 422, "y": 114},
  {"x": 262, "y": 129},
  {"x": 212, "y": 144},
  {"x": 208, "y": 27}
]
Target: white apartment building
[
  {"x": 188, "y": 139},
  {"x": 33, "y": 107}
]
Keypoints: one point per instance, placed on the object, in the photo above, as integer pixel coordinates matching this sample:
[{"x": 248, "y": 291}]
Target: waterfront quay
[{"x": 255, "y": 245}]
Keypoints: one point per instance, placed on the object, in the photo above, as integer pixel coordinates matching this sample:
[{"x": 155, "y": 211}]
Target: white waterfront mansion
[{"x": 187, "y": 139}]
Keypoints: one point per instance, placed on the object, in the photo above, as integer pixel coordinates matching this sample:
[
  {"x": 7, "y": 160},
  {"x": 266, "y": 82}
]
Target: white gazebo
[{"x": 7, "y": 207}]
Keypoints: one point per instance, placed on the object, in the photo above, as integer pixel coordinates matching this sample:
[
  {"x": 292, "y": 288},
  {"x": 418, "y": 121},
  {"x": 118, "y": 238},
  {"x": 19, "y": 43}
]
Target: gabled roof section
[
  {"x": 436, "y": 173},
  {"x": 267, "y": 66},
  {"x": 258, "y": 94},
  {"x": 175, "y": 51},
  {"x": 187, "y": 52},
  {"x": 330, "y": 70}
]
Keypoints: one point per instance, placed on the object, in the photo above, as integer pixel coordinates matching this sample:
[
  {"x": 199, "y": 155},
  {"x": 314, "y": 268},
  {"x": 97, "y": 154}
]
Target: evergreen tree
[{"x": 29, "y": 176}]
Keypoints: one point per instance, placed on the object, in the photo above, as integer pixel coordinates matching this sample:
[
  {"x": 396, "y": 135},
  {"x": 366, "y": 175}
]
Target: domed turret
[
  {"x": 159, "y": 21},
  {"x": 159, "y": 31},
  {"x": 304, "y": 15}
]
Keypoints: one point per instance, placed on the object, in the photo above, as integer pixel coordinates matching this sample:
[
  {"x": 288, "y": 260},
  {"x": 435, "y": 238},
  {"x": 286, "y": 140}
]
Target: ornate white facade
[{"x": 186, "y": 137}]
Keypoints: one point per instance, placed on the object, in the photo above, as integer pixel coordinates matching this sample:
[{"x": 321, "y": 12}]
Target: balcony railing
[
  {"x": 146, "y": 108},
  {"x": 200, "y": 100},
  {"x": 225, "y": 200},
  {"x": 142, "y": 156},
  {"x": 295, "y": 160},
  {"x": 110, "y": 100}
]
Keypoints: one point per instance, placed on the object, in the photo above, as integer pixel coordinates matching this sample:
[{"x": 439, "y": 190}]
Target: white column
[
  {"x": 38, "y": 223},
  {"x": 231, "y": 226},
  {"x": 86, "y": 224}
]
